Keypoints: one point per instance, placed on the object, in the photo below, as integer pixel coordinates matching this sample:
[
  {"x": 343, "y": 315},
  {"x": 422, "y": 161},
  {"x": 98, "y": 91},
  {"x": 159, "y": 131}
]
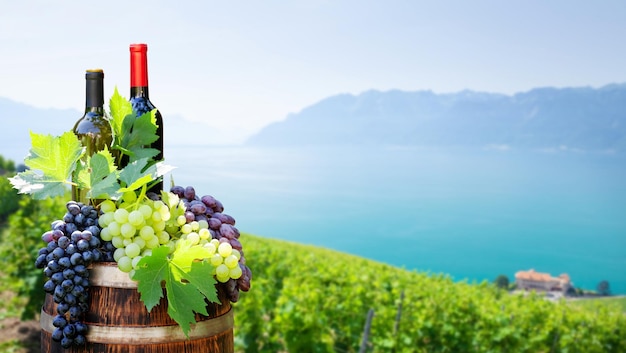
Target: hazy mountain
[
  {"x": 18, "y": 119},
  {"x": 573, "y": 118}
]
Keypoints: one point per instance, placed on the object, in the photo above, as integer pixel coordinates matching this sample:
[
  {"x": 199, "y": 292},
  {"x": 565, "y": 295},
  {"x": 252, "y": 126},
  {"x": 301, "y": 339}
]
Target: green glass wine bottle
[{"x": 93, "y": 129}]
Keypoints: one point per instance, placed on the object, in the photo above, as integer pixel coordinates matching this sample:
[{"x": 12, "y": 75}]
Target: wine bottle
[
  {"x": 93, "y": 129},
  {"x": 140, "y": 99}
]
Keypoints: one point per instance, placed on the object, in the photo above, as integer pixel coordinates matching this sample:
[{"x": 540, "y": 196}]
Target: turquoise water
[{"x": 471, "y": 214}]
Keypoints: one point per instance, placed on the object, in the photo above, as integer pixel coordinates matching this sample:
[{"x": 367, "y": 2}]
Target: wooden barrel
[{"x": 119, "y": 322}]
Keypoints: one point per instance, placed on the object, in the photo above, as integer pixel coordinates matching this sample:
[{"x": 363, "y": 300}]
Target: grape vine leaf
[
  {"x": 120, "y": 108},
  {"x": 140, "y": 132},
  {"x": 98, "y": 175},
  {"x": 132, "y": 133},
  {"x": 137, "y": 174},
  {"x": 140, "y": 173},
  {"x": 188, "y": 282},
  {"x": 103, "y": 175},
  {"x": 52, "y": 160}
]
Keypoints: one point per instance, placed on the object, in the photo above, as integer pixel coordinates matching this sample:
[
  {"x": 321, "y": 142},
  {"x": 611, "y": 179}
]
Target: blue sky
[{"x": 238, "y": 65}]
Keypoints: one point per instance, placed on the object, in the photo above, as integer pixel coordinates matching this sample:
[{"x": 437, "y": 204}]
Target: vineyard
[{"x": 309, "y": 299}]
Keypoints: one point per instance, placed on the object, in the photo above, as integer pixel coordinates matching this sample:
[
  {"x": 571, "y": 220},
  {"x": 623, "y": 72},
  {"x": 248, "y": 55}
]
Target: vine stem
[{"x": 140, "y": 198}]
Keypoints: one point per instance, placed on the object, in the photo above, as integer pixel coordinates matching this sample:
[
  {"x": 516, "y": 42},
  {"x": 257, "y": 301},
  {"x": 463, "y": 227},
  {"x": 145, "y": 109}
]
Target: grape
[
  {"x": 64, "y": 262},
  {"x": 178, "y": 190},
  {"x": 235, "y": 272},
  {"x": 63, "y": 242},
  {"x": 57, "y": 278},
  {"x": 216, "y": 260},
  {"x": 211, "y": 247},
  {"x": 229, "y": 231},
  {"x": 88, "y": 257},
  {"x": 232, "y": 290},
  {"x": 69, "y": 273},
  {"x": 72, "y": 244},
  {"x": 69, "y": 331},
  {"x": 41, "y": 261},
  {"x": 147, "y": 210},
  {"x": 189, "y": 193},
  {"x": 49, "y": 286},
  {"x": 135, "y": 218},
  {"x": 82, "y": 245},
  {"x": 59, "y": 321},
  {"x": 63, "y": 308},
  {"x": 107, "y": 206},
  {"x": 125, "y": 264},
  {"x": 128, "y": 230},
  {"x": 121, "y": 216},
  {"x": 209, "y": 201},
  {"x": 47, "y": 237},
  {"x": 132, "y": 250},
  {"x": 236, "y": 244},
  {"x": 66, "y": 342},
  {"x": 225, "y": 249},
  {"x": 73, "y": 208},
  {"x": 197, "y": 208},
  {"x": 204, "y": 234},
  {"x": 81, "y": 328},
  {"x": 53, "y": 266},
  {"x": 76, "y": 259},
  {"x": 71, "y": 250},
  {"x": 58, "y": 253},
  {"x": 231, "y": 261},
  {"x": 80, "y": 340}
]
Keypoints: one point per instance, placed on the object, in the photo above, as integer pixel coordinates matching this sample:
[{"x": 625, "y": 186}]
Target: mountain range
[
  {"x": 20, "y": 118},
  {"x": 577, "y": 118},
  {"x": 574, "y": 118}
]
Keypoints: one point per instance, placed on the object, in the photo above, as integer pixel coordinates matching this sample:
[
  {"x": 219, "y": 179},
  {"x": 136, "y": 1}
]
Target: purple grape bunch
[
  {"x": 222, "y": 228},
  {"x": 72, "y": 244}
]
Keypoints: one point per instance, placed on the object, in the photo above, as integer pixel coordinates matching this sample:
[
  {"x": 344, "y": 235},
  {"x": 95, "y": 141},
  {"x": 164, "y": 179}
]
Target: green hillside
[{"x": 309, "y": 299}]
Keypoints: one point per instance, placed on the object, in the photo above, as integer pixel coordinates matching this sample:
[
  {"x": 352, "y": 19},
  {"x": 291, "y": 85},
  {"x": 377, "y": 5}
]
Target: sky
[{"x": 232, "y": 67}]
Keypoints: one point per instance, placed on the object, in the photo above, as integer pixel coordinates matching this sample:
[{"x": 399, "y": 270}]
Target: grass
[{"x": 618, "y": 302}]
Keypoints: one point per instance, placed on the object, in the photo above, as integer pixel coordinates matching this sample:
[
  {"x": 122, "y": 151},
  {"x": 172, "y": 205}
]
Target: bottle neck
[
  {"x": 94, "y": 91},
  {"x": 139, "y": 91},
  {"x": 139, "y": 66}
]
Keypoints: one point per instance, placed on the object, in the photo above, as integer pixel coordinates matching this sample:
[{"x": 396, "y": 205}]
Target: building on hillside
[{"x": 532, "y": 279}]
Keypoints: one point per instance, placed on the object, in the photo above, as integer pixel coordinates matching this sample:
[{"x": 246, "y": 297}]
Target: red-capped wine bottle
[
  {"x": 93, "y": 129},
  {"x": 140, "y": 99}
]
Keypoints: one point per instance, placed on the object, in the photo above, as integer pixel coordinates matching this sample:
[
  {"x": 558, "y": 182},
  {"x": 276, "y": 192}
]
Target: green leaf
[
  {"x": 103, "y": 175},
  {"x": 183, "y": 299},
  {"x": 40, "y": 186},
  {"x": 54, "y": 156},
  {"x": 186, "y": 253},
  {"x": 81, "y": 175},
  {"x": 120, "y": 108},
  {"x": 51, "y": 160},
  {"x": 139, "y": 132},
  {"x": 188, "y": 282},
  {"x": 201, "y": 276},
  {"x": 150, "y": 272},
  {"x": 137, "y": 174},
  {"x": 141, "y": 153},
  {"x": 140, "y": 173}
]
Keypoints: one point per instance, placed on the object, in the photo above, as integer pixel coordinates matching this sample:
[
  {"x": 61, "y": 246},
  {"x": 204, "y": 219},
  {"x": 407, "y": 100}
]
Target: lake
[{"x": 472, "y": 214}]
